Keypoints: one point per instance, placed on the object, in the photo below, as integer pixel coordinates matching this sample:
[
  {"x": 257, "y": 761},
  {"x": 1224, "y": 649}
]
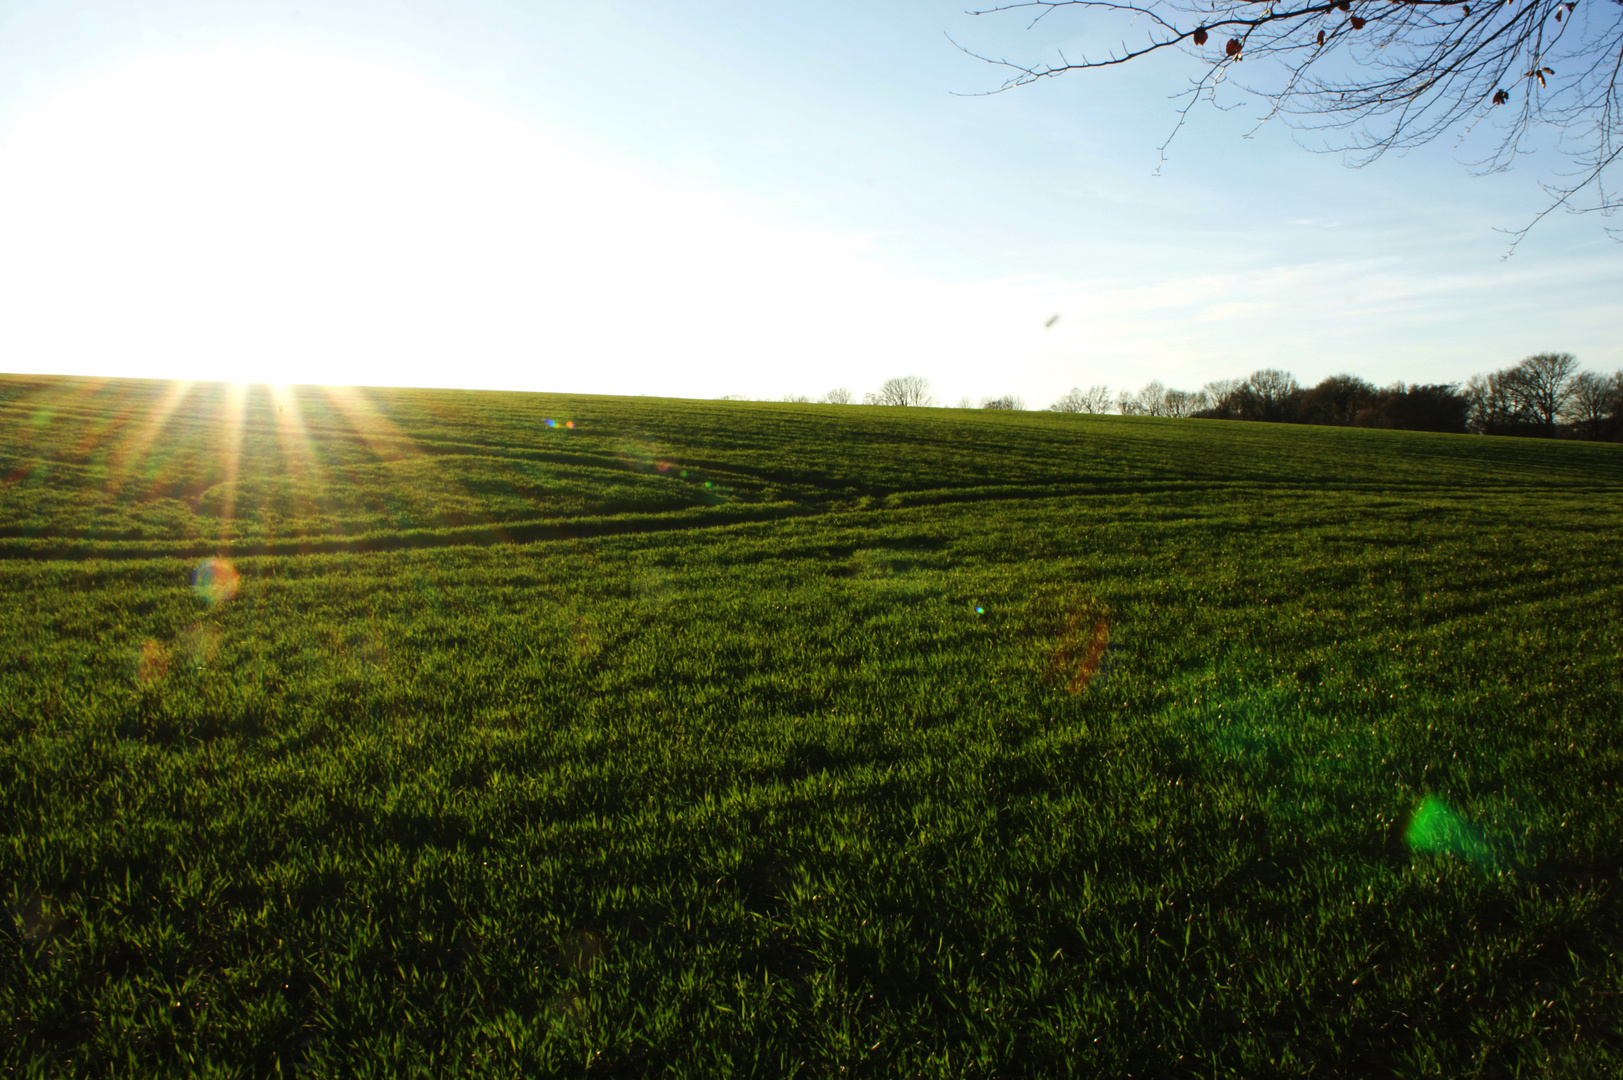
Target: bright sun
[{"x": 266, "y": 215}]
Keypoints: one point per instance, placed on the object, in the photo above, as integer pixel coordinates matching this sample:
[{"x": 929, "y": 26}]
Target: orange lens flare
[
  {"x": 1081, "y": 652},
  {"x": 152, "y": 664}
]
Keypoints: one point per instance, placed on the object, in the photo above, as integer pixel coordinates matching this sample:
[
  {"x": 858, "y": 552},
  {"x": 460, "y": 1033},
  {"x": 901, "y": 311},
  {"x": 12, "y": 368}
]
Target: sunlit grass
[{"x": 859, "y": 783}]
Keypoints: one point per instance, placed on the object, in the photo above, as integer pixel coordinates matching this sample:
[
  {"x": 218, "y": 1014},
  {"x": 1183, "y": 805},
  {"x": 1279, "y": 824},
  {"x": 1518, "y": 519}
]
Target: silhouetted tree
[
  {"x": 838, "y": 396},
  {"x": 1007, "y": 401},
  {"x": 1275, "y": 395},
  {"x": 1615, "y": 425},
  {"x": 1151, "y": 400},
  {"x": 1492, "y": 409},
  {"x": 1182, "y": 403},
  {"x": 905, "y": 390},
  {"x": 1543, "y": 385},
  {"x": 1156, "y": 400},
  {"x": 1432, "y": 407},
  {"x": 1335, "y": 400},
  {"x": 1222, "y": 399},
  {"x": 1522, "y": 400},
  {"x": 1595, "y": 405},
  {"x": 1269, "y": 395},
  {"x": 1095, "y": 399}
]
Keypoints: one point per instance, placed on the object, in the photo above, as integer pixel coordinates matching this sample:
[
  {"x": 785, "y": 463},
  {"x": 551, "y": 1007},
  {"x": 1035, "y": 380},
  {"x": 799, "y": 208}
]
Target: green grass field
[{"x": 710, "y": 738}]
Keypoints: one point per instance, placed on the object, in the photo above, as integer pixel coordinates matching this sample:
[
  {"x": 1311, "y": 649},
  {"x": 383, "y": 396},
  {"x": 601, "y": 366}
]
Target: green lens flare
[{"x": 1437, "y": 829}]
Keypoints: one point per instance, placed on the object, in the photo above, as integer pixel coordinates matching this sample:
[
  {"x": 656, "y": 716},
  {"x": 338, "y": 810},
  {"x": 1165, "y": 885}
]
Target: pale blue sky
[{"x": 712, "y": 198}]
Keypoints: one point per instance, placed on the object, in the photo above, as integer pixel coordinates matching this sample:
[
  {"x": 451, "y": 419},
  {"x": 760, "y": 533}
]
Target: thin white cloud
[{"x": 1238, "y": 309}]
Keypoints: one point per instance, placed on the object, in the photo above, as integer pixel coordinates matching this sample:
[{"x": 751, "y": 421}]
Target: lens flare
[
  {"x": 215, "y": 581},
  {"x": 1080, "y": 653},
  {"x": 198, "y": 644},
  {"x": 153, "y": 662},
  {"x": 1436, "y": 828},
  {"x": 36, "y": 917},
  {"x": 569, "y": 1010},
  {"x": 582, "y": 950},
  {"x": 641, "y": 454},
  {"x": 372, "y": 649}
]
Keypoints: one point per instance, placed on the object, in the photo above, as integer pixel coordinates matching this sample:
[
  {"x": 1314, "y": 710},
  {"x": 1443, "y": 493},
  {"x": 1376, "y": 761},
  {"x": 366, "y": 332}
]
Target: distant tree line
[
  {"x": 905, "y": 390},
  {"x": 1544, "y": 396}
]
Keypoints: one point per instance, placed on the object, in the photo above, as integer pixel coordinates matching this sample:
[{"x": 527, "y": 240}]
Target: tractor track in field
[{"x": 19, "y": 546}]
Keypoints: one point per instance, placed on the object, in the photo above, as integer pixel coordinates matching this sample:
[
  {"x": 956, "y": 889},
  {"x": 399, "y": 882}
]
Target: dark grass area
[{"x": 856, "y": 786}]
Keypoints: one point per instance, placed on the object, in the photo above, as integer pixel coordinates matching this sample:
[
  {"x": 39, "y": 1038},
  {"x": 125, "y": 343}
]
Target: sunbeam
[
  {"x": 236, "y": 411},
  {"x": 300, "y": 463},
  {"x": 134, "y": 457}
]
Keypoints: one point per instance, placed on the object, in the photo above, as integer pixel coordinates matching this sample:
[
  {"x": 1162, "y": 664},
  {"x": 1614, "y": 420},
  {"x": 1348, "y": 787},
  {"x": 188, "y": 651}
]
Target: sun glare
[
  {"x": 275, "y": 215},
  {"x": 261, "y": 215}
]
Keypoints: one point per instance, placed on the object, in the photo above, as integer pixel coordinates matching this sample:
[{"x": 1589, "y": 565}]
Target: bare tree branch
[{"x": 1387, "y": 75}]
